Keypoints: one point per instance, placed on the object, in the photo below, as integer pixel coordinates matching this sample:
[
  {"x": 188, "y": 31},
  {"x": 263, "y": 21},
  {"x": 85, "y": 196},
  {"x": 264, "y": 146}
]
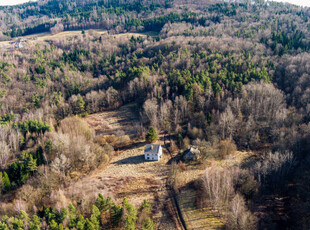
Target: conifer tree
[
  {"x": 35, "y": 224},
  {"x": 95, "y": 217},
  {"x": 130, "y": 215},
  {"x": 32, "y": 164},
  {"x": 151, "y": 135},
  {"x": 6, "y": 182},
  {"x": 80, "y": 223},
  {"x": 80, "y": 105},
  {"x": 63, "y": 215},
  {"x": 72, "y": 216},
  {"x": 89, "y": 225},
  {"x": 148, "y": 224}
]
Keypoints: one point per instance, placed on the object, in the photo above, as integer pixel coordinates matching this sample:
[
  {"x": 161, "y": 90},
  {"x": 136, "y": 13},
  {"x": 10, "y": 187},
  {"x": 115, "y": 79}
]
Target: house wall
[{"x": 153, "y": 156}]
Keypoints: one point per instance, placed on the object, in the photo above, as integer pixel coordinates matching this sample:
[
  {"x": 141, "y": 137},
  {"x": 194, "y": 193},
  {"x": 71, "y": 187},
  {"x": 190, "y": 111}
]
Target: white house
[{"x": 153, "y": 152}]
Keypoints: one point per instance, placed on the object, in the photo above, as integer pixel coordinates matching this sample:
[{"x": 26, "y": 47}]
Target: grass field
[
  {"x": 128, "y": 174},
  {"x": 196, "y": 218},
  {"x": 41, "y": 37}
]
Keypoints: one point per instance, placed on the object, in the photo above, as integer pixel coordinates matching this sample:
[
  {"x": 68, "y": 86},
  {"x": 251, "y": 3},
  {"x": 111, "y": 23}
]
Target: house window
[{"x": 148, "y": 158}]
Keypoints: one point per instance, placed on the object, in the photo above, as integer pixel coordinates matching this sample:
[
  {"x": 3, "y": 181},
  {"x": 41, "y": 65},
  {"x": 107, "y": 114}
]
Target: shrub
[
  {"x": 123, "y": 141},
  {"x": 226, "y": 147}
]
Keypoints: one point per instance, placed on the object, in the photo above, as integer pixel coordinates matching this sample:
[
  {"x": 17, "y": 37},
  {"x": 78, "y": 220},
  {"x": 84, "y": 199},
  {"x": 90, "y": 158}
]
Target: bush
[
  {"x": 123, "y": 140},
  {"x": 151, "y": 135},
  {"x": 226, "y": 147}
]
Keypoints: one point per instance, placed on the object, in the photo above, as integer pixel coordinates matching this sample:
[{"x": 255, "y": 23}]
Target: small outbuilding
[
  {"x": 153, "y": 152},
  {"x": 191, "y": 154},
  {"x": 18, "y": 44}
]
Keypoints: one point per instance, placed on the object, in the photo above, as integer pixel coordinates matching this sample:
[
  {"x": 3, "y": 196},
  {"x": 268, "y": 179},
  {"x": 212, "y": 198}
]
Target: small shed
[
  {"x": 191, "y": 154},
  {"x": 153, "y": 152}
]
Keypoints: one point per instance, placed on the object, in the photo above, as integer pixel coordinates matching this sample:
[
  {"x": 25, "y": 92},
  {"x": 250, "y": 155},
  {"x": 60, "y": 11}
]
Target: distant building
[
  {"x": 153, "y": 152},
  {"x": 191, "y": 154},
  {"x": 18, "y": 44}
]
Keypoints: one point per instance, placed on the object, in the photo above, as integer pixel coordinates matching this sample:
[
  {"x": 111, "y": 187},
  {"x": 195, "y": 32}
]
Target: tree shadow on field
[
  {"x": 131, "y": 160},
  {"x": 133, "y": 145}
]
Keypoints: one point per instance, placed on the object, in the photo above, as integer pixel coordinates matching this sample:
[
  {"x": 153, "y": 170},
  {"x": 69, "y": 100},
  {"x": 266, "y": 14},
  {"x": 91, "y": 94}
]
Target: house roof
[
  {"x": 193, "y": 149},
  {"x": 150, "y": 148}
]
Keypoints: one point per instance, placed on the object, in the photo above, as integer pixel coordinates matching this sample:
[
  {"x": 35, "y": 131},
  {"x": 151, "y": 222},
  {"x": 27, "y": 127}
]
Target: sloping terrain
[
  {"x": 113, "y": 121},
  {"x": 128, "y": 174},
  {"x": 196, "y": 218}
]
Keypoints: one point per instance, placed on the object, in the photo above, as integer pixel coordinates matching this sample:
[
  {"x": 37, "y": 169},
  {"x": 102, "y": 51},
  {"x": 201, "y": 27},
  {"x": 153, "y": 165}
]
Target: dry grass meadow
[
  {"x": 127, "y": 174},
  {"x": 43, "y": 37}
]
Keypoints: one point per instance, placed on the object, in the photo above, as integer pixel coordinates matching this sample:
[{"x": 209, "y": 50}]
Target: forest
[{"x": 224, "y": 76}]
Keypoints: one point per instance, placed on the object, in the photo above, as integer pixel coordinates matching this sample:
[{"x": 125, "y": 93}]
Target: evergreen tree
[
  {"x": 148, "y": 224},
  {"x": 116, "y": 214},
  {"x": 89, "y": 225},
  {"x": 130, "y": 215},
  {"x": 63, "y": 215},
  {"x": 104, "y": 204},
  {"x": 4, "y": 226},
  {"x": 151, "y": 135},
  {"x": 39, "y": 155},
  {"x": 80, "y": 223},
  {"x": 32, "y": 164},
  {"x": 23, "y": 216},
  {"x": 80, "y": 105},
  {"x": 95, "y": 217},
  {"x": 6, "y": 182},
  {"x": 72, "y": 216},
  {"x": 53, "y": 225},
  {"x": 1, "y": 184},
  {"x": 35, "y": 224},
  {"x": 17, "y": 223},
  {"x": 48, "y": 147},
  {"x": 145, "y": 207}
]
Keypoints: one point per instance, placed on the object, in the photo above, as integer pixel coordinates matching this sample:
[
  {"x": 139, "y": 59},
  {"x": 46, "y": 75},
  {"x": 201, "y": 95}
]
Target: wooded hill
[{"x": 222, "y": 76}]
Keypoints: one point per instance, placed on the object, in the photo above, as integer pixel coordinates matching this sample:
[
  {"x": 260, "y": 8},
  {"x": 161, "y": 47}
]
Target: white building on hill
[{"x": 153, "y": 152}]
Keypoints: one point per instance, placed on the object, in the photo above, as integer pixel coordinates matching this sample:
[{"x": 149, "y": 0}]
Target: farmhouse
[{"x": 153, "y": 152}]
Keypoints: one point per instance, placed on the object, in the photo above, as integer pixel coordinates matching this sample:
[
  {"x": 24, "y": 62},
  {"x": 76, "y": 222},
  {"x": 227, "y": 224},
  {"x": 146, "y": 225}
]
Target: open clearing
[
  {"x": 128, "y": 174},
  {"x": 196, "y": 218},
  {"x": 41, "y": 37},
  {"x": 113, "y": 121}
]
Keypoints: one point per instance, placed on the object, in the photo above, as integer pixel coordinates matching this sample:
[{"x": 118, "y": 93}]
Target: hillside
[{"x": 84, "y": 85}]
